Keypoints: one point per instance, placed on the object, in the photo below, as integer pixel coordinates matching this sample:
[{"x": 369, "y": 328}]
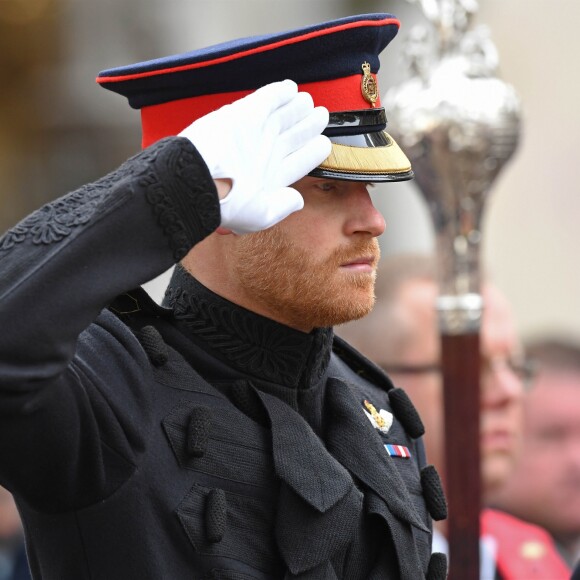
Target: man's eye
[{"x": 326, "y": 185}]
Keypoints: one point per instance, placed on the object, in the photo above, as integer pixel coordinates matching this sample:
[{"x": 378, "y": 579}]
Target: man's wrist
[{"x": 223, "y": 187}]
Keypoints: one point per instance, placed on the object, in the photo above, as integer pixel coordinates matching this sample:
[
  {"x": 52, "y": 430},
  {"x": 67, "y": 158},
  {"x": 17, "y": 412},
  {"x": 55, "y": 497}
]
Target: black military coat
[{"x": 197, "y": 440}]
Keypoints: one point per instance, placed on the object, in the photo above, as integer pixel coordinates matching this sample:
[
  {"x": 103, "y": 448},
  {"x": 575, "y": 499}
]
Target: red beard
[{"x": 297, "y": 289}]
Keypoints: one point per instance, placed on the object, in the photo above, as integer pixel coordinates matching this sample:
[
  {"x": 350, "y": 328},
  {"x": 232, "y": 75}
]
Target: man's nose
[
  {"x": 501, "y": 384},
  {"x": 364, "y": 217}
]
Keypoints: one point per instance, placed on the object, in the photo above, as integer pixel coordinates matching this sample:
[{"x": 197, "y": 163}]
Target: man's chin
[
  {"x": 496, "y": 468},
  {"x": 346, "y": 310}
]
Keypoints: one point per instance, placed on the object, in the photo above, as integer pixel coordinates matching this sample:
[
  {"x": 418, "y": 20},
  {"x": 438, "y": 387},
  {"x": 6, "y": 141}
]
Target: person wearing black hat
[{"x": 225, "y": 434}]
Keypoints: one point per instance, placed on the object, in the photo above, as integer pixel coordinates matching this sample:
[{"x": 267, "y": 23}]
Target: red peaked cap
[{"x": 325, "y": 60}]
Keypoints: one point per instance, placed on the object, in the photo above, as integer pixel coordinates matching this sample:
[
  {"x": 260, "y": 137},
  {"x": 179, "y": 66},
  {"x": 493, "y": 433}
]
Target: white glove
[{"x": 263, "y": 143}]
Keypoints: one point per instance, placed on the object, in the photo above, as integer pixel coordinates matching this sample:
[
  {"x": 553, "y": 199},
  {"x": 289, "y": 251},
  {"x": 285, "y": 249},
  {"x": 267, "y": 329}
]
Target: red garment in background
[{"x": 524, "y": 551}]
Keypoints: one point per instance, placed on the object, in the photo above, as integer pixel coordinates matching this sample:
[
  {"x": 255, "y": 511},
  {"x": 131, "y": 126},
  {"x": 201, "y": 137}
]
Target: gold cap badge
[{"x": 368, "y": 85}]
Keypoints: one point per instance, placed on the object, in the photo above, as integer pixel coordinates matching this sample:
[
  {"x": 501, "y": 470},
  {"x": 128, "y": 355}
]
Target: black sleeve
[{"x": 67, "y": 406}]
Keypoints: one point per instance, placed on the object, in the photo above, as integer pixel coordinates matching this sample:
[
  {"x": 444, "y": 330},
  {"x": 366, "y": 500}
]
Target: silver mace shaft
[{"x": 459, "y": 124}]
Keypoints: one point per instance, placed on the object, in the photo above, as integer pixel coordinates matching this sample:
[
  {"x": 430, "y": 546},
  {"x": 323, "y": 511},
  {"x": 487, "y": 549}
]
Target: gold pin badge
[
  {"x": 381, "y": 420},
  {"x": 368, "y": 85}
]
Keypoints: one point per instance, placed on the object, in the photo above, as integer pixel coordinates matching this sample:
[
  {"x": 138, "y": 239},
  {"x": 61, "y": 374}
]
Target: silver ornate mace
[{"x": 459, "y": 124}]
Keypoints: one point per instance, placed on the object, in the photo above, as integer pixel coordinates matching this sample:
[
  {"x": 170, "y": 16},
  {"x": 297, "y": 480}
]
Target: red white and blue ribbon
[{"x": 398, "y": 451}]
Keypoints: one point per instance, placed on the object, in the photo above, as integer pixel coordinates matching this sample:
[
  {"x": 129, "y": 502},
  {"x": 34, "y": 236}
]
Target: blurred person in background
[
  {"x": 13, "y": 565},
  {"x": 544, "y": 487},
  {"x": 401, "y": 336}
]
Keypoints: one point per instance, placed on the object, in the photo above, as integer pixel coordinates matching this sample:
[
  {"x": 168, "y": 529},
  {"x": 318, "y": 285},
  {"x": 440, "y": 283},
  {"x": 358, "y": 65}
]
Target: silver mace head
[{"x": 459, "y": 124}]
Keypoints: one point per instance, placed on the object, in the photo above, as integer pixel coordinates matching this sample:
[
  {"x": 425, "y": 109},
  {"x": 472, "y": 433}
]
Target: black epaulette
[{"x": 361, "y": 365}]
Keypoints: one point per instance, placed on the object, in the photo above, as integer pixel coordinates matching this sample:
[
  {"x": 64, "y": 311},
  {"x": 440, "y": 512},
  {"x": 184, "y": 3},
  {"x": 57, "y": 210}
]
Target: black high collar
[{"x": 250, "y": 343}]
